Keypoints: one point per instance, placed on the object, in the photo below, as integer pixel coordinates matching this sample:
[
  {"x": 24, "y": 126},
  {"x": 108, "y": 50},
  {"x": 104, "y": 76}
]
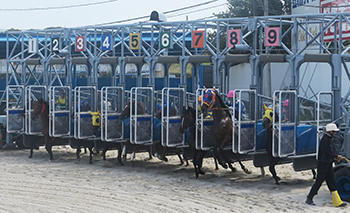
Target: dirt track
[{"x": 66, "y": 185}]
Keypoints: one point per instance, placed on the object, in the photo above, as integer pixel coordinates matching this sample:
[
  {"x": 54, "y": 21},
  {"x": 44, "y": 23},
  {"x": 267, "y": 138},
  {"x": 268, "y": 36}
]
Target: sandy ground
[{"x": 66, "y": 185}]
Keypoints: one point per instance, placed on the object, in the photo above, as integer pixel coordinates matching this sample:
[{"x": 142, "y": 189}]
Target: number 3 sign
[
  {"x": 272, "y": 37},
  {"x": 79, "y": 43}
]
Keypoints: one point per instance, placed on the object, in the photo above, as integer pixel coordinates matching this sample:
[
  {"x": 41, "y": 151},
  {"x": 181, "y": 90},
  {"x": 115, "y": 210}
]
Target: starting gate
[
  {"x": 284, "y": 129},
  {"x": 85, "y": 102},
  {"x": 141, "y": 115},
  {"x": 33, "y": 124},
  {"x": 203, "y": 125},
  {"x": 173, "y": 100},
  {"x": 15, "y": 109},
  {"x": 60, "y": 111},
  {"x": 112, "y": 105},
  {"x": 324, "y": 114},
  {"x": 244, "y": 121}
]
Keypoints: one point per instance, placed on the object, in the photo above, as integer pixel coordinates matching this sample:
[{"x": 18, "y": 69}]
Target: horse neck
[{"x": 221, "y": 110}]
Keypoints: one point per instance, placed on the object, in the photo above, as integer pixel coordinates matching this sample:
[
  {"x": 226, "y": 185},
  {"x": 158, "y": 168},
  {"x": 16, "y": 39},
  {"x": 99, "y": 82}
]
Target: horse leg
[
  {"x": 48, "y": 146},
  {"x": 124, "y": 151},
  {"x": 272, "y": 169},
  {"x": 313, "y": 174},
  {"x": 242, "y": 165},
  {"x": 200, "y": 163},
  {"x": 85, "y": 151},
  {"x": 216, "y": 163},
  {"x": 180, "y": 158},
  {"x": 90, "y": 154},
  {"x": 120, "y": 151},
  {"x": 217, "y": 156},
  {"x": 195, "y": 165},
  {"x": 105, "y": 148},
  {"x": 262, "y": 170},
  {"x": 78, "y": 153},
  {"x": 31, "y": 149}
]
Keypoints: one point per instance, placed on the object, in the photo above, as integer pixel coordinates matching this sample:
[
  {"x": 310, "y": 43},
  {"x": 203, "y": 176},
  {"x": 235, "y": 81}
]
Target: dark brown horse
[
  {"x": 188, "y": 121},
  {"x": 41, "y": 110},
  {"x": 221, "y": 130}
]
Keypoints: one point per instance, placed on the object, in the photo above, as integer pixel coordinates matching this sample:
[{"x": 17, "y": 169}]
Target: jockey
[
  {"x": 61, "y": 103},
  {"x": 237, "y": 103},
  {"x": 210, "y": 113}
]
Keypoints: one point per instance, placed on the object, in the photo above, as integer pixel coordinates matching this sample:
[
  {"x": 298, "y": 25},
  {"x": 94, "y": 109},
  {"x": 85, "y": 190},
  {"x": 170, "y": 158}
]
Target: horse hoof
[
  {"x": 30, "y": 156},
  {"x": 247, "y": 171},
  {"x": 233, "y": 169},
  {"x": 201, "y": 172}
]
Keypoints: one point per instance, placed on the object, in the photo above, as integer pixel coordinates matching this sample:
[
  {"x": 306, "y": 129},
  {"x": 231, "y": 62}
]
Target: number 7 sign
[
  {"x": 198, "y": 38},
  {"x": 272, "y": 36}
]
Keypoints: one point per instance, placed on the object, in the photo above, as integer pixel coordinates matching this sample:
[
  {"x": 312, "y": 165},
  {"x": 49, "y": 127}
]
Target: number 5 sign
[
  {"x": 134, "y": 41},
  {"x": 198, "y": 38},
  {"x": 79, "y": 43},
  {"x": 272, "y": 36}
]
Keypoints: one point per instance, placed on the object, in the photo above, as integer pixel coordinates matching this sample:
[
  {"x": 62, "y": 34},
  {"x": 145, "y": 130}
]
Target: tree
[{"x": 245, "y": 8}]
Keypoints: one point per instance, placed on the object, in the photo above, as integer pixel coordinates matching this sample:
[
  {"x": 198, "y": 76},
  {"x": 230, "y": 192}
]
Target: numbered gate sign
[
  {"x": 165, "y": 40},
  {"x": 55, "y": 43},
  {"x": 198, "y": 38},
  {"x": 80, "y": 44},
  {"x": 272, "y": 36},
  {"x": 106, "y": 42},
  {"x": 135, "y": 39},
  {"x": 32, "y": 45},
  {"x": 233, "y": 38}
]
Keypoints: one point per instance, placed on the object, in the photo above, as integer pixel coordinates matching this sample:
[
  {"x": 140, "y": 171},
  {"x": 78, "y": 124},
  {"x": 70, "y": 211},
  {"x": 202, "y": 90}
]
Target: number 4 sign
[
  {"x": 79, "y": 43},
  {"x": 272, "y": 36},
  {"x": 106, "y": 42}
]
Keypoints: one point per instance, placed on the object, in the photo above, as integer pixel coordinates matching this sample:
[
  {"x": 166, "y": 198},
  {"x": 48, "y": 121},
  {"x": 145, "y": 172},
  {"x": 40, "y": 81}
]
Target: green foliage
[{"x": 245, "y": 8}]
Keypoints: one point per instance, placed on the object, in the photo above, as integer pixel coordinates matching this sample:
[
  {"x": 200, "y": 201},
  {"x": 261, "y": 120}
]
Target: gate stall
[
  {"x": 112, "y": 105},
  {"x": 203, "y": 125},
  {"x": 284, "y": 129},
  {"x": 244, "y": 121},
  {"x": 173, "y": 100},
  {"x": 33, "y": 124},
  {"x": 60, "y": 111},
  {"x": 85, "y": 103},
  {"x": 141, "y": 115},
  {"x": 15, "y": 109}
]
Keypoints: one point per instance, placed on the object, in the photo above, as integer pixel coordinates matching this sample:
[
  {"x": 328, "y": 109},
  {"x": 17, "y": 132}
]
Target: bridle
[{"x": 210, "y": 102}]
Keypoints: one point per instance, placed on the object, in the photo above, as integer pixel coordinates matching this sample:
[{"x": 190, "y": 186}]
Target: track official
[{"x": 326, "y": 156}]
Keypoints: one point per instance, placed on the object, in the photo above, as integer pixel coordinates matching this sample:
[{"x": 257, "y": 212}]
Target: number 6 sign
[
  {"x": 79, "y": 43},
  {"x": 272, "y": 36}
]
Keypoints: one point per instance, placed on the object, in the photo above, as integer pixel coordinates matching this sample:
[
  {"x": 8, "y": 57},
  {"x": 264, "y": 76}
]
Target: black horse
[
  {"x": 188, "y": 121},
  {"x": 221, "y": 130},
  {"x": 41, "y": 111}
]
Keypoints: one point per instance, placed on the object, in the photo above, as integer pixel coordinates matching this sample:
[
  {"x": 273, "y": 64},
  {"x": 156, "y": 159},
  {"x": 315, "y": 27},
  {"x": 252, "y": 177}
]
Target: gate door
[
  {"x": 85, "y": 102},
  {"x": 60, "y": 111},
  {"x": 244, "y": 121},
  {"x": 173, "y": 100},
  {"x": 33, "y": 124},
  {"x": 112, "y": 105},
  {"x": 204, "y": 125},
  {"x": 323, "y": 113},
  {"x": 141, "y": 115},
  {"x": 284, "y": 128},
  {"x": 15, "y": 109}
]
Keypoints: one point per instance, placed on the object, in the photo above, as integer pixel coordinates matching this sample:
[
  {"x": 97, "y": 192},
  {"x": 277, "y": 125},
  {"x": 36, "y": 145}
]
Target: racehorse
[
  {"x": 188, "y": 121},
  {"x": 221, "y": 130},
  {"x": 267, "y": 124},
  {"x": 41, "y": 110}
]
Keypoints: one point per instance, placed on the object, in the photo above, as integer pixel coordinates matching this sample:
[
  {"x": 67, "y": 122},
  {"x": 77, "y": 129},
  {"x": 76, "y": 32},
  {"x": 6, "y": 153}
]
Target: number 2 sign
[
  {"x": 272, "y": 36},
  {"x": 79, "y": 43}
]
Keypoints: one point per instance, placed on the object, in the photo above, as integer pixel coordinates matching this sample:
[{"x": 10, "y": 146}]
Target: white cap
[{"x": 331, "y": 127}]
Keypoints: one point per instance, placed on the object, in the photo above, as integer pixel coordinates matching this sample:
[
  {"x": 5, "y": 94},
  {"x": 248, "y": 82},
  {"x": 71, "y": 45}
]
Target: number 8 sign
[
  {"x": 272, "y": 36},
  {"x": 233, "y": 38}
]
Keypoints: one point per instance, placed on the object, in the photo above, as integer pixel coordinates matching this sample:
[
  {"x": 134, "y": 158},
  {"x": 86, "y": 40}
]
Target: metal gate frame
[
  {"x": 319, "y": 127},
  {"x": 77, "y": 110},
  {"x": 239, "y": 123},
  {"x": 28, "y": 108},
  {"x": 53, "y": 112},
  {"x": 277, "y": 128},
  {"x": 105, "y": 115},
  {"x": 135, "y": 117},
  {"x": 18, "y": 110},
  {"x": 165, "y": 117}
]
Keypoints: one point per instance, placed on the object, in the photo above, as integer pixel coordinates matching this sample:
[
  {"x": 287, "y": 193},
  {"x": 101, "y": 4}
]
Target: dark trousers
[{"x": 324, "y": 172}]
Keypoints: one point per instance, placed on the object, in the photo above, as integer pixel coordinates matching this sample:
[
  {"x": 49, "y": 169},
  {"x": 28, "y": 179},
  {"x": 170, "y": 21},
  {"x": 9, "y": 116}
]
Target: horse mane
[{"x": 222, "y": 103}]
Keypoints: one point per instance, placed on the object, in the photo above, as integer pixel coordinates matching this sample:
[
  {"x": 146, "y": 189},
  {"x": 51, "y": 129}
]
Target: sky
[{"x": 96, "y": 14}]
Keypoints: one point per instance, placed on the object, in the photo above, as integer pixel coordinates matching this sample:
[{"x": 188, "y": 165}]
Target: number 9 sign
[{"x": 272, "y": 36}]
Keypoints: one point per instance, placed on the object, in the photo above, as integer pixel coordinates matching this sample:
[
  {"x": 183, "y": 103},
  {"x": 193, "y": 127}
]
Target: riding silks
[
  {"x": 96, "y": 118},
  {"x": 336, "y": 199}
]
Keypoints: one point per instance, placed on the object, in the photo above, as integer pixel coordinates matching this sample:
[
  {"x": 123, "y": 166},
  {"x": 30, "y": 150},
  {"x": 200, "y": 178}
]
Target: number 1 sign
[{"x": 272, "y": 36}]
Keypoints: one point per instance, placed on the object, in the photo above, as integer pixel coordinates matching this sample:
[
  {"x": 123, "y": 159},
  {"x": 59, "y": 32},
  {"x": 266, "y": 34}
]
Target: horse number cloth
[{"x": 96, "y": 118}]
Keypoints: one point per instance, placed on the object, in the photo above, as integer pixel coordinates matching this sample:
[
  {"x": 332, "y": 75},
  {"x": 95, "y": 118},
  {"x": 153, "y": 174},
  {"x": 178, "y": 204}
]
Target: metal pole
[{"x": 268, "y": 65}]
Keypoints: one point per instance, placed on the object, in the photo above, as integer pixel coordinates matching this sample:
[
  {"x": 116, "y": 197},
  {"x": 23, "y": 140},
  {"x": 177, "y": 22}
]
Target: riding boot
[{"x": 337, "y": 202}]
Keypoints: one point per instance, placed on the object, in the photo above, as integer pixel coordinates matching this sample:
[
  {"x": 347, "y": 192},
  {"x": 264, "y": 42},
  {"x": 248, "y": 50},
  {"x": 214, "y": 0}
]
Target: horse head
[
  {"x": 39, "y": 107},
  {"x": 268, "y": 117},
  {"x": 208, "y": 100},
  {"x": 188, "y": 119},
  {"x": 126, "y": 111}
]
